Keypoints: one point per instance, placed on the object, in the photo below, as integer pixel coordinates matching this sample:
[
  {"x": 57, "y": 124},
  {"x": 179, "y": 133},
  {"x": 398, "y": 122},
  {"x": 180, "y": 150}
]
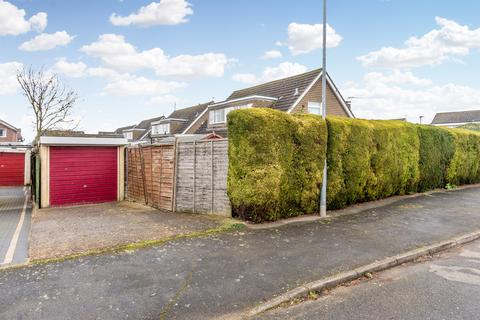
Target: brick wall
[
  {"x": 334, "y": 107},
  {"x": 11, "y": 135}
]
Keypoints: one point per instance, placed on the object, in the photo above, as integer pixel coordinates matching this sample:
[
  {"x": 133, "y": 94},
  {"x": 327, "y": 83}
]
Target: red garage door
[
  {"x": 12, "y": 169},
  {"x": 81, "y": 175}
]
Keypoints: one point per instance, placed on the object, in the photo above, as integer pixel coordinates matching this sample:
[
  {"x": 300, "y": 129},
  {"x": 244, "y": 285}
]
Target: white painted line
[{"x": 16, "y": 235}]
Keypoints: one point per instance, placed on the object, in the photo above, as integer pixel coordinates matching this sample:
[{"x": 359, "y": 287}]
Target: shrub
[
  {"x": 465, "y": 165},
  {"x": 369, "y": 160},
  {"x": 275, "y": 163},
  {"x": 437, "y": 147}
]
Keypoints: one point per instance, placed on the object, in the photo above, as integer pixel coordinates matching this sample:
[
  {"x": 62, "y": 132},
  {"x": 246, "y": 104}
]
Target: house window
[
  {"x": 163, "y": 128},
  {"x": 128, "y": 135},
  {"x": 217, "y": 116},
  {"x": 3, "y": 133},
  {"x": 220, "y": 115},
  {"x": 315, "y": 108}
]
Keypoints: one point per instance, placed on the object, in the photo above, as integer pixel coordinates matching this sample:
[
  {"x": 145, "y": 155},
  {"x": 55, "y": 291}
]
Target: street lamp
[{"x": 323, "y": 194}]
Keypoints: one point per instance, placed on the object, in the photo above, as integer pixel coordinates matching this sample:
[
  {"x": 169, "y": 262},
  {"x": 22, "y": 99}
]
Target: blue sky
[{"x": 149, "y": 55}]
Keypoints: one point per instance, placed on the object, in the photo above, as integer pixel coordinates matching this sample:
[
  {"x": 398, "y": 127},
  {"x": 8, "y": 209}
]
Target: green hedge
[
  {"x": 369, "y": 160},
  {"x": 275, "y": 163},
  {"x": 465, "y": 165},
  {"x": 437, "y": 148}
]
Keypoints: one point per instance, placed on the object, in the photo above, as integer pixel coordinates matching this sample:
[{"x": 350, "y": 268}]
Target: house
[
  {"x": 9, "y": 134},
  {"x": 296, "y": 94},
  {"x": 179, "y": 122},
  {"x": 456, "y": 119},
  {"x": 137, "y": 132}
]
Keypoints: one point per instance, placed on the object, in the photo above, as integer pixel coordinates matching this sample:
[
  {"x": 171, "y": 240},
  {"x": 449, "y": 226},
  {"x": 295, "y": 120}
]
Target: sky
[{"x": 130, "y": 60}]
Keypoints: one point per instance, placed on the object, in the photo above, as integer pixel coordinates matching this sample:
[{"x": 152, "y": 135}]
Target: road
[
  {"x": 445, "y": 287},
  {"x": 213, "y": 277},
  {"x": 15, "y": 216}
]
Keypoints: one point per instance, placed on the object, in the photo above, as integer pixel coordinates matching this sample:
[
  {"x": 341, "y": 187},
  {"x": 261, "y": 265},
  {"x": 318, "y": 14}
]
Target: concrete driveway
[
  {"x": 15, "y": 215},
  {"x": 65, "y": 231}
]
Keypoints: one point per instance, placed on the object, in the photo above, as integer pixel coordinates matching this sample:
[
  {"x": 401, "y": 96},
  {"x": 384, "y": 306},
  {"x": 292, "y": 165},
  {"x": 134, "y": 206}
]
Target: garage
[
  {"x": 81, "y": 170},
  {"x": 14, "y": 167}
]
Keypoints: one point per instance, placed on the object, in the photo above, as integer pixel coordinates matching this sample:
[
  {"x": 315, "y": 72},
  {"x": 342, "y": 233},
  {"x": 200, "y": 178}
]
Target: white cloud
[
  {"x": 396, "y": 95},
  {"x": 283, "y": 70},
  {"x": 12, "y": 20},
  {"x": 164, "y": 12},
  {"x": 122, "y": 56},
  {"x": 141, "y": 86},
  {"x": 248, "y": 78},
  {"x": 271, "y": 54},
  {"x": 451, "y": 40},
  {"x": 164, "y": 101},
  {"x": 47, "y": 41},
  {"x": 8, "y": 77},
  {"x": 304, "y": 38},
  {"x": 70, "y": 69}
]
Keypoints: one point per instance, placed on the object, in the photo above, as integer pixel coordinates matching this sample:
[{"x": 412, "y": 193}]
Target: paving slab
[{"x": 217, "y": 276}]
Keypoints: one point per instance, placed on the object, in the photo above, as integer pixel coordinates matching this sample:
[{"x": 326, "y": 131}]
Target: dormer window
[
  {"x": 128, "y": 135},
  {"x": 162, "y": 128}
]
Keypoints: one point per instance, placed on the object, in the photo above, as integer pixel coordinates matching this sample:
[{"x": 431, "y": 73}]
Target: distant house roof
[
  {"x": 457, "y": 117},
  {"x": 6, "y": 124},
  {"x": 286, "y": 91},
  {"x": 189, "y": 115}
]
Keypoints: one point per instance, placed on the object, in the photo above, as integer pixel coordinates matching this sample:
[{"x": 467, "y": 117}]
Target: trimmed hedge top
[{"x": 276, "y": 161}]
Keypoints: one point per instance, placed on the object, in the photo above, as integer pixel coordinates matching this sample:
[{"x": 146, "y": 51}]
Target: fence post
[
  {"x": 127, "y": 171},
  {"x": 213, "y": 173},
  {"x": 142, "y": 168},
  {"x": 175, "y": 168},
  {"x": 194, "y": 173}
]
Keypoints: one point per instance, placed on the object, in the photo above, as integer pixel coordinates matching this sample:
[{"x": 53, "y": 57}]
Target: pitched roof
[
  {"x": 285, "y": 90},
  {"x": 120, "y": 130},
  {"x": 457, "y": 117},
  {"x": 189, "y": 114},
  {"x": 6, "y": 124},
  {"x": 145, "y": 124}
]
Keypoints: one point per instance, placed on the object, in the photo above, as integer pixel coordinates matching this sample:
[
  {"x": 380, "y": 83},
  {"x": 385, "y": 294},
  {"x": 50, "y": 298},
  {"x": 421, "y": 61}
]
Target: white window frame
[
  {"x": 217, "y": 116},
  {"x": 128, "y": 135},
  {"x": 226, "y": 111},
  {"x": 4, "y": 133},
  {"x": 313, "y": 106},
  {"x": 161, "y": 128}
]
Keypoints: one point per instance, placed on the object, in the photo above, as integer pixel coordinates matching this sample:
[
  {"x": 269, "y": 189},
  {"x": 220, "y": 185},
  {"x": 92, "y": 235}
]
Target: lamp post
[{"x": 323, "y": 195}]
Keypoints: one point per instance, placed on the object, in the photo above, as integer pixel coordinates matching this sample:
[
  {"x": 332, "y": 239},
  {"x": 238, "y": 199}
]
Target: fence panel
[
  {"x": 150, "y": 175},
  {"x": 202, "y": 168}
]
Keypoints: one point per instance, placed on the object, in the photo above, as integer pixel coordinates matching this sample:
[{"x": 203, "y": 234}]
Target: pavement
[
  {"x": 14, "y": 229},
  {"x": 228, "y": 274},
  {"x": 445, "y": 287}
]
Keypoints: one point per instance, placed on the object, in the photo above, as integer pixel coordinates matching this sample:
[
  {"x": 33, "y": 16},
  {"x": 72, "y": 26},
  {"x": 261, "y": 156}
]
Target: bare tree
[{"x": 51, "y": 101}]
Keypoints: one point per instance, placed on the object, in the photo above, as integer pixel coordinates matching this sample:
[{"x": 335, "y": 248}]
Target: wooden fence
[
  {"x": 187, "y": 176},
  {"x": 150, "y": 175}
]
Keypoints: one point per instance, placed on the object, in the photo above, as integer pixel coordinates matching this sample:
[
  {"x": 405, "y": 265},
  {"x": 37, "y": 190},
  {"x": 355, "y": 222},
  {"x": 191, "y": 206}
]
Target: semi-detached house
[{"x": 297, "y": 94}]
